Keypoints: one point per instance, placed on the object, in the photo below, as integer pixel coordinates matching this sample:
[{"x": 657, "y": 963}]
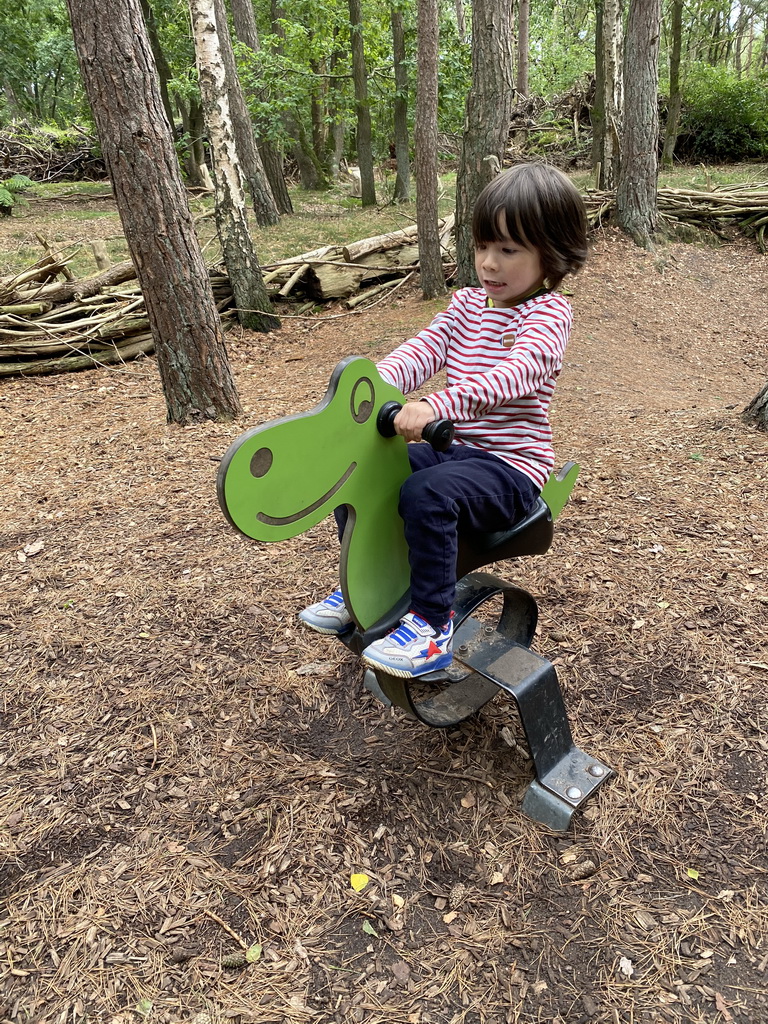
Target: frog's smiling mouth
[{"x": 285, "y": 520}]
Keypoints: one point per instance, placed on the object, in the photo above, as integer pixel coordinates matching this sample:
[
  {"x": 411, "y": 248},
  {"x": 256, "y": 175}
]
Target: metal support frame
[{"x": 491, "y": 658}]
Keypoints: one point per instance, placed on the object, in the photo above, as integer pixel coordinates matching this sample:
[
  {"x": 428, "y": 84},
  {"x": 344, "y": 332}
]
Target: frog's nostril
[{"x": 261, "y": 462}]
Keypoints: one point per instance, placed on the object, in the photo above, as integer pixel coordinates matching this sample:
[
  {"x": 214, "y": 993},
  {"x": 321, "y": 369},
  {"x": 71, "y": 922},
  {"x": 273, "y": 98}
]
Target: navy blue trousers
[{"x": 462, "y": 490}]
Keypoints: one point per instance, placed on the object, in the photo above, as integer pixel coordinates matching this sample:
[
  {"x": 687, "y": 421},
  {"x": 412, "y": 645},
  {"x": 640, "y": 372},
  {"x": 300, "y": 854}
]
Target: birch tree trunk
[
  {"x": 636, "y": 207},
  {"x": 611, "y": 46},
  {"x": 247, "y": 33},
  {"x": 119, "y": 77},
  {"x": 425, "y": 137},
  {"x": 359, "y": 77},
  {"x": 251, "y": 299},
  {"x": 486, "y": 120},
  {"x": 264, "y": 205},
  {"x": 402, "y": 191}
]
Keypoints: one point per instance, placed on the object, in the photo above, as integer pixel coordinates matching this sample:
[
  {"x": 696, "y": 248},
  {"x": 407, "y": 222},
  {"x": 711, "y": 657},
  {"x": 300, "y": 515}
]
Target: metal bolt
[
  {"x": 573, "y": 793},
  {"x": 462, "y": 648},
  {"x": 489, "y": 629},
  {"x": 597, "y": 770}
]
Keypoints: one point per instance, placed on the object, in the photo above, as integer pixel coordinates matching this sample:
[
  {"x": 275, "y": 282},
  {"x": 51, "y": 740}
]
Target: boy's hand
[{"x": 412, "y": 419}]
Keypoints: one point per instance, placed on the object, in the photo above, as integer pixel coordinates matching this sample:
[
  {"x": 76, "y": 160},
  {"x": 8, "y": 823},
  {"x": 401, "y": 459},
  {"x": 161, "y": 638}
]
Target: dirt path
[{"x": 185, "y": 773}]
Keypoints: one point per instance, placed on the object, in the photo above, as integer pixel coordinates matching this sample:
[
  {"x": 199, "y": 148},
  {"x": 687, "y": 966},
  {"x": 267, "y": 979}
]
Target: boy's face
[{"x": 507, "y": 270}]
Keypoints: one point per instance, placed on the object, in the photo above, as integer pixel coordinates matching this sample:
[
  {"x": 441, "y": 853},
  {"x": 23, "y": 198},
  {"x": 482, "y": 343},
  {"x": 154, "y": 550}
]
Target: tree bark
[
  {"x": 363, "y": 133},
  {"x": 486, "y": 121},
  {"x": 119, "y": 76},
  {"x": 251, "y": 299},
  {"x": 523, "y": 23},
  {"x": 425, "y": 136},
  {"x": 675, "y": 93},
  {"x": 757, "y": 410},
  {"x": 402, "y": 191},
  {"x": 264, "y": 205},
  {"x": 611, "y": 46},
  {"x": 247, "y": 33},
  {"x": 638, "y": 177}
]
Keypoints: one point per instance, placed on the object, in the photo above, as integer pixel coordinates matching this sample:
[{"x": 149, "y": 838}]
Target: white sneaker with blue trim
[
  {"x": 413, "y": 649},
  {"x": 328, "y": 616}
]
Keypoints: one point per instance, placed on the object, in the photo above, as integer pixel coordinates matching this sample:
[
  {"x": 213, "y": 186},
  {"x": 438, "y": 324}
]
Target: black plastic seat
[{"x": 531, "y": 536}]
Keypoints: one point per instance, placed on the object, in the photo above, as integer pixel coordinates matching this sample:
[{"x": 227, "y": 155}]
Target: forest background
[{"x": 189, "y": 781}]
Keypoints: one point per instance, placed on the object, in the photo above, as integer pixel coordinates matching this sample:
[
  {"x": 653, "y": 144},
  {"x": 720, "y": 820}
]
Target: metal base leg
[{"x": 488, "y": 659}]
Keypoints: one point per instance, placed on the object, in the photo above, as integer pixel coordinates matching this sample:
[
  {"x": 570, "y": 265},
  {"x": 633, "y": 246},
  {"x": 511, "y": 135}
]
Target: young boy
[{"x": 502, "y": 346}]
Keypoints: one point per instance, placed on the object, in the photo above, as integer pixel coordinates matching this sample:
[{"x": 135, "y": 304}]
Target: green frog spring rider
[{"x": 282, "y": 478}]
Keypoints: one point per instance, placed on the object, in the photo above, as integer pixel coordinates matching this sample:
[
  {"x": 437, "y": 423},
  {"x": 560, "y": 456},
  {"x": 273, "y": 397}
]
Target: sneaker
[
  {"x": 413, "y": 649},
  {"x": 328, "y": 616}
]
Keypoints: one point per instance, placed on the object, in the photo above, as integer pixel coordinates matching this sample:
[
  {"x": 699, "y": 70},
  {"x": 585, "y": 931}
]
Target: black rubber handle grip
[{"x": 439, "y": 433}]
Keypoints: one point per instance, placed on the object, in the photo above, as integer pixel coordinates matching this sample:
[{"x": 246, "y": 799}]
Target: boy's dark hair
[{"x": 542, "y": 209}]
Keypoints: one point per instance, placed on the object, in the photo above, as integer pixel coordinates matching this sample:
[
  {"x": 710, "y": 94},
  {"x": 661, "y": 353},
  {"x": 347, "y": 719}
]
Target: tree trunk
[
  {"x": 251, "y": 299},
  {"x": 597, "y": 113},
  {"x": 523, "y": 22},
  {"x": 264, "y": 206},
  {"x": 486, "y": 121},
  {"x": 363, "y": 135},
  {"x": 757, "y": 410},
  {"x": 194, "y": 128},
  {"x": 402, "y": 191},
  {"x": 247, "y": 33},
  {"x": 675, "y": 93},
  {"x": 164, "y": 73},
  {"x": 425, "y": 138},
  {"x": 638, "y": 177},
  {"x": 119, "y": 77},
  {"x": 611, "y": 46},
  {"x": 335, "y": 143}
]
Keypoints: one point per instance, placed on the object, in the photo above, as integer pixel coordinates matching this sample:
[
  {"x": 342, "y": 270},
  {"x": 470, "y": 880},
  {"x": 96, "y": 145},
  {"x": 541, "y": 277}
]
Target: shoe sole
[
  {"x": 324, "y": 629},
  {"x": 433, "y": 666}
]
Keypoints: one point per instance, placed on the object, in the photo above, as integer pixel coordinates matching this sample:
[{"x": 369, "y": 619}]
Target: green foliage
[
  {"x": 10, "y": 192},
  {"x": 724, "y": 118}
]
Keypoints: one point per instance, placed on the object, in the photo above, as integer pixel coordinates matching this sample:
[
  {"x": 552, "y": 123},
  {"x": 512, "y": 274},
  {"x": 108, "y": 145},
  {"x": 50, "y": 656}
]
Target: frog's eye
[
  {"x": 361, "y": 402},
  {"x": 261, "y": 461}
]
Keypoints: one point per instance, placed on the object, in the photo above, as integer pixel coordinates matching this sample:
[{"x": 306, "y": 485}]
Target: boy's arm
[
  {"x": 419, "y": 358},
  {"x": 535, "y": 358}
]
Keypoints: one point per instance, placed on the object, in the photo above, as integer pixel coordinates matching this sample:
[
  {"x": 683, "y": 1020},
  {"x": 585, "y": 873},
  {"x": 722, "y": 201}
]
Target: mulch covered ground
[{"x": 188, "y": 779}]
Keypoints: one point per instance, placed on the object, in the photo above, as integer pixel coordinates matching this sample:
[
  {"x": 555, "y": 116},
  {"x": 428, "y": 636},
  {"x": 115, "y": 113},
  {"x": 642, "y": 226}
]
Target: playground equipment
[{"x": 280, "y": 479}]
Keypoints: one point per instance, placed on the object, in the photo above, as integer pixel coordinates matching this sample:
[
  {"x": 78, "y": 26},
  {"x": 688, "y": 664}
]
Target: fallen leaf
[
  {"x": 369, "y": 929},
  {"x": 358, "y": 881},
  {"x": 692, "y": 873},
  {"x": 253, "y": 953},
  {"x": 468, "y": 800}
]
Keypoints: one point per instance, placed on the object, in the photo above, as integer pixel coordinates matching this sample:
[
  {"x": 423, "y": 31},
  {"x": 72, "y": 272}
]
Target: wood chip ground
[{"x": 188, "y": 780}]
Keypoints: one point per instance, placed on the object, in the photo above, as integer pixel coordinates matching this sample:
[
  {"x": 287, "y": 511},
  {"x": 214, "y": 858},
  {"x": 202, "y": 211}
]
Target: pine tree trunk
[
  {"x": 425, "y": 137},
  {"x": 119, "y": 77},
  {"x": 523, "y": 22},
  {"x": 597, "y": 113},
  {"x": 402, "y": 191},
  {"x": 636, "y": 207},
  {"x": 244, "y": 20},
  {"x": 675, "y": 93},
  {"x": 264, "y": 206},
  {"x": 486, "y": 121},
  {"x": 251, "y": 299},
  {"x": 363, "y": 134},
  {"x": 757, "y": 410}
]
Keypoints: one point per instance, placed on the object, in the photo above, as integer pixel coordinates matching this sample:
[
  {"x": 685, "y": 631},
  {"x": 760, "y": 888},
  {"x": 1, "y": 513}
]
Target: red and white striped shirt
[{"x": 501, "y": 367}]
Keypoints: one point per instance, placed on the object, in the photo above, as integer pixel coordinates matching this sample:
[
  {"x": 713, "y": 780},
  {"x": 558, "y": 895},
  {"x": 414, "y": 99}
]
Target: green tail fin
[{"x": 557, "y": 489}]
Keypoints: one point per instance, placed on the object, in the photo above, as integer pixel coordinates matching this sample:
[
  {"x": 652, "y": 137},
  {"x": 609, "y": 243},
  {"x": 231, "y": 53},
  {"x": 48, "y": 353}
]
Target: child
[{"x": 502, "y": 345}]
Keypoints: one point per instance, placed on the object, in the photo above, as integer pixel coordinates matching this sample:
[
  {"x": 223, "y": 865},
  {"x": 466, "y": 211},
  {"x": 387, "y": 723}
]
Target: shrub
[{"x": 724, "y": 118}]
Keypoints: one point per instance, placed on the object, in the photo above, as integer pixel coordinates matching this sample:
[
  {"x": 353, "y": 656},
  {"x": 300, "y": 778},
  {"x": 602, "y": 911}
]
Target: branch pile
[
  {"x": 52, "y": 326},
  {"x": 47, "y": 154},
  {"x": 744, "y": 206}
]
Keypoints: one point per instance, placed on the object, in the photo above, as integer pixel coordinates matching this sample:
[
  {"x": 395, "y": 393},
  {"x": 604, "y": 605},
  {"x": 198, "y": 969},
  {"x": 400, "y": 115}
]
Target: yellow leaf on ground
[{"x": 359, "y": 881}]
